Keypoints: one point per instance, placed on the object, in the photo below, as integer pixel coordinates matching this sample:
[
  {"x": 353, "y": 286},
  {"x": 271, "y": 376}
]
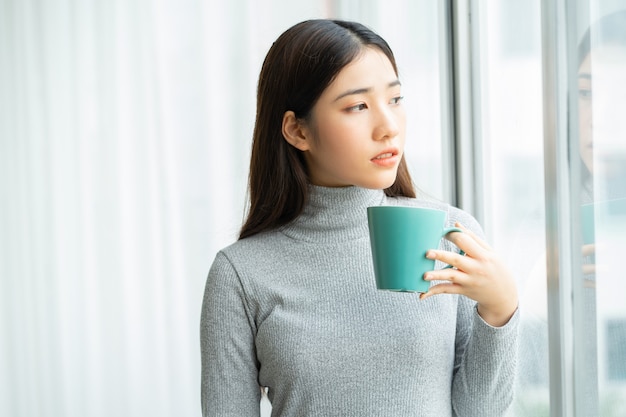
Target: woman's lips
[{"x": 386, "y": 158}]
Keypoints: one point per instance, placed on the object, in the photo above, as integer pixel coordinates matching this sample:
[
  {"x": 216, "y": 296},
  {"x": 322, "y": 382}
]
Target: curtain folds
[{"x": 113, "y": 180}]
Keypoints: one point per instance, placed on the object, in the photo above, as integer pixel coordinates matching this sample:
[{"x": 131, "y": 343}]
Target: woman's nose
[{"x": 387, "y": 124}]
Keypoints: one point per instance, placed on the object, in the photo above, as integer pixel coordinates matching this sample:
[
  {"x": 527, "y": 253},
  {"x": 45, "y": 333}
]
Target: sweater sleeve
[
  {"x": 229, "y": 367},
  {"x": 486, "y": 357},
  {"x": 485, "y": 369}
]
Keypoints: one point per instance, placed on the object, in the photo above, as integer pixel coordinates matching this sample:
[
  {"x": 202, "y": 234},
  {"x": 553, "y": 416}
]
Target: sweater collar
[{"x": 334, "y": 214}]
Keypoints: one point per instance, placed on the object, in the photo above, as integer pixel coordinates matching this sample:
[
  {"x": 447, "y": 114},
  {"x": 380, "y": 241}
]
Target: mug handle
[{"x": 450, "y": 230}]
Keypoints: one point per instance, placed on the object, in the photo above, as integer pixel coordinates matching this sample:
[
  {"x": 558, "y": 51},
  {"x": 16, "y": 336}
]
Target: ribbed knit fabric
[{"x": 296, "y": 310}]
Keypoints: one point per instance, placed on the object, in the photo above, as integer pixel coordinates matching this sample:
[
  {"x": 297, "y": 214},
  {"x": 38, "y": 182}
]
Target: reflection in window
[
  {"x": 602, "y": 126},
  {"x": 615, "y": 342}
]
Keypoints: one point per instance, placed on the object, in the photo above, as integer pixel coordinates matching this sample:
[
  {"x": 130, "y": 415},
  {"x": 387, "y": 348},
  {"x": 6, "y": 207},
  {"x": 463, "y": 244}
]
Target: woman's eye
[
  {"x": 584, "y": 93},
  {"x": 358, "y": 107},
  {"x": 397, "y": 100}
]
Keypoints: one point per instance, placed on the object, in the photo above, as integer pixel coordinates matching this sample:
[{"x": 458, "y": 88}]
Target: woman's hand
[
  {"x": 479, "y": 274},
  {"x": 589, "y": 250}
]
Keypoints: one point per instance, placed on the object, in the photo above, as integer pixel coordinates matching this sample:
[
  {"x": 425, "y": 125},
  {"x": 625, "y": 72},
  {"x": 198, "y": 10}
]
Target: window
[
  {"x": 553, "y": 170},
  {"x": 508, "y": 126}
]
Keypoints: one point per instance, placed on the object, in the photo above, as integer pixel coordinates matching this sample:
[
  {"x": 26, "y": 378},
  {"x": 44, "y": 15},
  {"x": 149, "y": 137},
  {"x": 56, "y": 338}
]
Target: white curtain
[
  {"x": 124, "y": 142},
  {"x": 124, "y": 135}
]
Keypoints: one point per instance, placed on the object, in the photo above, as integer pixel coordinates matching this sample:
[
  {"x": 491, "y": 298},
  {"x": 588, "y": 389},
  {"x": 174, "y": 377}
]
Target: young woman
[{"x": 292, "y": 305}]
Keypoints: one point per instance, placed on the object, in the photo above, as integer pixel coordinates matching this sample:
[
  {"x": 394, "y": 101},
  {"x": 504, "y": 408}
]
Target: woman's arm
[
  {"x": 485, "y": 366},
  {"x": 227, "y": 329},
  {"x": 487, "y": 322}
]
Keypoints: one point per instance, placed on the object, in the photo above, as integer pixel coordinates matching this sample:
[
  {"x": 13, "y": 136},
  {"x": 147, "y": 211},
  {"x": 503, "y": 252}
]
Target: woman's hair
[
  {"x": 299, "y": 66},
  {"x": 608, "y": 30}
]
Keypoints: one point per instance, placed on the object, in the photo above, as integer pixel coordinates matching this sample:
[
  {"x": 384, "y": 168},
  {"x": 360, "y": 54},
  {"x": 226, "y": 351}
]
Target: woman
[{"x": 292, "y": 306}]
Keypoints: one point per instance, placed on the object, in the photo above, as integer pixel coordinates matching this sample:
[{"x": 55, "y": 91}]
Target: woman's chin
[{"x": 379, "y": 184}]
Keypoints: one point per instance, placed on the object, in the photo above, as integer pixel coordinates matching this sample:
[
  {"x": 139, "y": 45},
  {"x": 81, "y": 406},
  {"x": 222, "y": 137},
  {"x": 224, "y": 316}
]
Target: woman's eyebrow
[{"x": 364, "y": 90}]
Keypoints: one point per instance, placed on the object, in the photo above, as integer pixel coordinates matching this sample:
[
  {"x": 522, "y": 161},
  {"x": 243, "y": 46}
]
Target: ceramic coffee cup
[{"x": 400, "y": 237}]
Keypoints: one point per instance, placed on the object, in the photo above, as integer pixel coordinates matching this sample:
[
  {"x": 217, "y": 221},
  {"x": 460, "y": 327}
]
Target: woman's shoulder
[
  {"x": 250, "y": 244},
  {"x": 244, "y": 255}
]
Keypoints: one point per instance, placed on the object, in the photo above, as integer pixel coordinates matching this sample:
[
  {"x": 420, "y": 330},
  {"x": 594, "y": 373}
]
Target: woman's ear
[{"x": 294, "y": 132}]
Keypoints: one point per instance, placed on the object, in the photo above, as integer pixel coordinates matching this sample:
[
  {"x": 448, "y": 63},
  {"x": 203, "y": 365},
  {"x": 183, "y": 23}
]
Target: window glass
[
  {"x": 601, "y": 93},
  {"x": 510, "y": 100}
]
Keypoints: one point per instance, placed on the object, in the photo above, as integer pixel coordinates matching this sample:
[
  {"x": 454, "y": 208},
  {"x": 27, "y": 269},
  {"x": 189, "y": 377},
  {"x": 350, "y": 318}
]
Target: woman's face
[
  {"x": 584, "y": 113},
  {"x": 356, "y": 132},
  {"x": 602, "y": 93}
]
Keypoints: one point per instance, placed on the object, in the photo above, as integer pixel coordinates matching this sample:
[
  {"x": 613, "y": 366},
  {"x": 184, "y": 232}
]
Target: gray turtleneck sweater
[{"x": 296, "y": 310}]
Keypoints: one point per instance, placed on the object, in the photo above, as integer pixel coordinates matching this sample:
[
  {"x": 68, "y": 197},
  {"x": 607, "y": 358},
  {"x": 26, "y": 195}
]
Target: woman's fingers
[
  {"x": 468, "y": 242},
  {"x": 474, "y": 236},
  {"x": 443, "y": 288},
  {"x": 589, "y": 249},
  {"x": 589, "y": 269},
  {"x": 453, "y": 259},
  {"x": 480, "y": 275},
  {"x": 455, "y": 276}
]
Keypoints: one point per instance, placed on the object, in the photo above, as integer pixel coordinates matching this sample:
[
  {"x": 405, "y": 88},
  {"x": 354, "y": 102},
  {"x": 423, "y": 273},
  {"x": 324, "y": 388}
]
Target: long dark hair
[
  {"x": 302, "y": 62},
  {"x": 609, "y": 30}
]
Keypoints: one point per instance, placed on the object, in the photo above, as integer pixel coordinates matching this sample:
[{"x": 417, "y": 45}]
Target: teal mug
[
  {"x": 400, "y": 237},
  {"x": 601, "y": 214}
]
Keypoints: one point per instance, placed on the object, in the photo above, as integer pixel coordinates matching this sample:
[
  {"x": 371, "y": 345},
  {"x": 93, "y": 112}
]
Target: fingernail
[
  {"x": 430, "y": 254},
  {"x": 427, "y": 277}
]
